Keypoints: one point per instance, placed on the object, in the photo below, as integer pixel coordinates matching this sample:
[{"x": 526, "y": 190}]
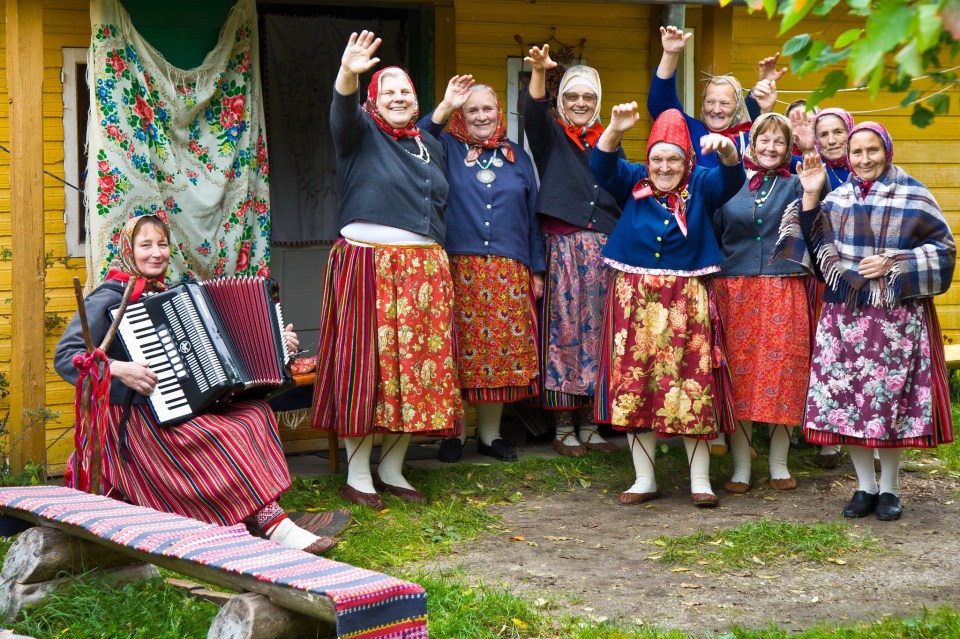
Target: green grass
[
  {"x": 89, "y": 608},
  {"x": 763, "y": 542}
]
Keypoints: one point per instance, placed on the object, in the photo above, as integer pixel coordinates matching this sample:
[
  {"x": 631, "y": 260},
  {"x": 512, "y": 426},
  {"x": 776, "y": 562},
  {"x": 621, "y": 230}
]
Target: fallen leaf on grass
[
  {"x": 684, "y": 584},
  {"x": 653, "y": 556},
  {"x": 692, "y": 603},
  {"x": 679, "y": 570},
  {"x": 584, "y": 483},
  {"x": 533, "y": 544},
  {"x": 757, "y": 560},
  {"x": 838, "y": 561},
  {"x": 519, "y": 624},
  {"x": 815, "y": 600},
  {"x": 703, "y": 562},
  {"x": 768, "y": 576},
  {"x": 555, "y": 538},
  {"x": 659, "y": 542},
  {"x": 517, "y": 538}
]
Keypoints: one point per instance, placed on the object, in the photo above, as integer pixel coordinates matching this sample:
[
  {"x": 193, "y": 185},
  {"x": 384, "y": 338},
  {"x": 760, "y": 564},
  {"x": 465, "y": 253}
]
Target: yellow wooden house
[{"x": 42, "y": 109}]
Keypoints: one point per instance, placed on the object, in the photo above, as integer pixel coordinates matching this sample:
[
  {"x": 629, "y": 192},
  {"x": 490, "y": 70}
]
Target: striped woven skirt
[
  {"x": 220, "y": 467},
  {"x": 657, "y": 359},
  {"x": 496, "y": 328},
  {"x": 572, "y": 322},
  {"x": 385, "y": 360},
  {"x": 767, "y": 325},
  {"x": 878, "y": 378}
]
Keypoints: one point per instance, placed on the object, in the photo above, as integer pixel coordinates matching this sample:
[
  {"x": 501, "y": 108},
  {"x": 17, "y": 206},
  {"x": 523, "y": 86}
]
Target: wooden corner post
[{"x": 27, "y": 429}]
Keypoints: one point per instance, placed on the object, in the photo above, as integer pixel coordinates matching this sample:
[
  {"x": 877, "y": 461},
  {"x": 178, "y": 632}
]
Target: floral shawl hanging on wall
[{"x": 187, "y": 145}]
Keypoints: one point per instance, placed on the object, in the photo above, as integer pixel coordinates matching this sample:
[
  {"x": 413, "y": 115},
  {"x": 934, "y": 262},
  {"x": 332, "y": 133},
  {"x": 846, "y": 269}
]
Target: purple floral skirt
[{"x": 873, "y": 381}]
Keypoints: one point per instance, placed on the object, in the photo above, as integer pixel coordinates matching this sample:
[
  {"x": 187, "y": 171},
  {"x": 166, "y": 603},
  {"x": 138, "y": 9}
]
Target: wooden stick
[
  {"x": 82, "y": 312},
  {"x": 86, "y": 391},
  {"x": 95, "y": 461}
]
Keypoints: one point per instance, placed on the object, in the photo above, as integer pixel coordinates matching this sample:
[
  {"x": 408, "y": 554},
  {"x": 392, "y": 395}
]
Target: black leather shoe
[
  {"x": 498, "y": 449},
  {"x": 450, "y": 450},
  {"x": 889, "y": 507},
  {"x": 862, "y": 504}
]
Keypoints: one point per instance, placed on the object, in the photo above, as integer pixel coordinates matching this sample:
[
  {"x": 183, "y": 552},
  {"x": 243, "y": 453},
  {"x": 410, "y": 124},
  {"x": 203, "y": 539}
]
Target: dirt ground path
[{"x": 587, "y": 554}]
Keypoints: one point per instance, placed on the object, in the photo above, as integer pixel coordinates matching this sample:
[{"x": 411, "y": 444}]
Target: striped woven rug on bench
[{"x": 368, "y": 604}]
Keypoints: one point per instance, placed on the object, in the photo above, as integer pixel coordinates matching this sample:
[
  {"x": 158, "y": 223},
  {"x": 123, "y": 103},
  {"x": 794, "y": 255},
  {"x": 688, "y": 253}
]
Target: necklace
[
  {"x": 423, "y": 155},
  {"x": 760, "y": 200},
  {"x": 485, "y": 175}
]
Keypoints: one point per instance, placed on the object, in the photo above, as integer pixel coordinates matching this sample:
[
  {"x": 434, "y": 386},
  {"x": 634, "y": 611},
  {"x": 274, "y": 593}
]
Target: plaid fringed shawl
[{"x": 899, "y": 218}]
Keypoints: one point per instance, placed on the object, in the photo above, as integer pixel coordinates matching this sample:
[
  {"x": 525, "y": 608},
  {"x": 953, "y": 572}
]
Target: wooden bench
[{"x": 291, "y": 593}]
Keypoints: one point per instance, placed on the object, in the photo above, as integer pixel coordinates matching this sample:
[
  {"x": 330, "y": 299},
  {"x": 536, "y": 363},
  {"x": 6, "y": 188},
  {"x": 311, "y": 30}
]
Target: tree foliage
[{"x": 901, "y": 40}]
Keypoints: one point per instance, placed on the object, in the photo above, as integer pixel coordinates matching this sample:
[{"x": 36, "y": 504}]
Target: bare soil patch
[{"x": 587, "y": 554}]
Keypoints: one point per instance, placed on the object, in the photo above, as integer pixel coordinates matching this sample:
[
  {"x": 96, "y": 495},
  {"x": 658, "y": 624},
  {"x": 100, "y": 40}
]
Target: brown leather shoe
[
  {"x": 737, "y": 487},
  {"x": 321, "y": 545},
  {"x": 630, "y": 499},
  {"x": 569, "y": 451},
  {"x": 351, "y": 494},
  {"x": 705, "y": 500},
  {"x": 790, "y": 483},
  {"x": 605, "y": 447},
  {"x": 406, "y": 494},
  {"x": 827, "y": 461}
]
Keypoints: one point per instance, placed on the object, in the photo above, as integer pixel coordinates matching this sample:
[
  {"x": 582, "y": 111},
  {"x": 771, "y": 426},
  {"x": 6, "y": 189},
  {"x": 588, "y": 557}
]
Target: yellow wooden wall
[{"x": 618, "y": 44}]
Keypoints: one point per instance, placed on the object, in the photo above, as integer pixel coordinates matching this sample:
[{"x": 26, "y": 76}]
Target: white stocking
[
  {"x": 288, "y": 534},
  {"x": 488, "y": 421},
  {"x": 829, "y": 450},
  {"x": 862, "y": 459},
  {"x": 566, "y": 433},
  {"x": 718, "y": 445},
  {"x": 779, "y": 448},
  {"x": 358, "y": 463},
  {"x": 391, "y": 459},
  {"x": 740, "y": 442},
  {"x": 643, "y": 448},
  {"x": 890, "y": 470},
  {"x": 589, "y": 433},
  {"x": 699, "y": 458}
]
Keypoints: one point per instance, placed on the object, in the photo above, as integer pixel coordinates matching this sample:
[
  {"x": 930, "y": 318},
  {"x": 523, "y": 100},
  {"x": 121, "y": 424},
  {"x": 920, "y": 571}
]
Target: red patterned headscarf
[
  {"x": 750, "y": 161},
  {"x": 458, "y": 129},
  {"x": 670, "y": 128},
  {"x": 124, "y": 265},
  {"x": 740, "y": 121},
  {"x": 370, "y": 106}
]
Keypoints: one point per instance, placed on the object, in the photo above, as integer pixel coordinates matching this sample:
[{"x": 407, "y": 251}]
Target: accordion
[{"x": 208, "y": 343}]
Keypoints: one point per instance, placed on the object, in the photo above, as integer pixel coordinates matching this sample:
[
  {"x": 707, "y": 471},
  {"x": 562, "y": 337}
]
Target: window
[{"x": 76, "y": 107}]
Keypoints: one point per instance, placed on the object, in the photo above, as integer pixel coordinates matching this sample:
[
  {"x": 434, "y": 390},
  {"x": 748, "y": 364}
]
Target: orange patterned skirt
[
  {"x": 496, "y": 328},
  {"x": 767, "y": 326}
]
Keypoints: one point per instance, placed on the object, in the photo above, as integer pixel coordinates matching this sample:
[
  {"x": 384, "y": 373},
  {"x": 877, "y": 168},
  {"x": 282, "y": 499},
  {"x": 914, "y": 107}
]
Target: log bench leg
[{"x": 253, "y": 616}]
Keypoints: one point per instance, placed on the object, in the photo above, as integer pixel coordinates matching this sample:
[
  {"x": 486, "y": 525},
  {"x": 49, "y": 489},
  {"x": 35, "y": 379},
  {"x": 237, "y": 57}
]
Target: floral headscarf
[
  {"x": 124, "y": 265},
  {"x": 670, "y": 128},
  {"x": 750, "y": 161},
  {"x": 741, "y": 119},
  {"x": 844, "y": 115},
  {"x": 583, "y": 75},
  {"x": 371, "y": 109},
  {"x": 458, "y": 129}
]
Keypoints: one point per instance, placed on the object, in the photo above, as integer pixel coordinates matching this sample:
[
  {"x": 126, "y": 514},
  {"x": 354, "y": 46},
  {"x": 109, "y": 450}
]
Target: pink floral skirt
[{"x": 872, "y": 382}]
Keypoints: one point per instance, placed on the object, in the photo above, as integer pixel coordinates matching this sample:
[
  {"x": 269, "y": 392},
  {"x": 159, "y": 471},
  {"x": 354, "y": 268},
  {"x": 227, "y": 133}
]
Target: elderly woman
[
  {"x": 763, "y": 305},
  {"x": 723, "y": 109},
  {"x": 496, "y": 257},
  {"x": 878, "y": 379},
  {"x": 657, "y": 351},
  {"x": 385, "y": 361},
  {"x": 577, "y": 215},
  {"x": 221, "y": 467}
]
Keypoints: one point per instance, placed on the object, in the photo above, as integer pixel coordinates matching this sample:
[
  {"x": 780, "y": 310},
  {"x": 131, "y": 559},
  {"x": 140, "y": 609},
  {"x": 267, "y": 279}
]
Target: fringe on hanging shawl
[{"x": 85, "y": 433}]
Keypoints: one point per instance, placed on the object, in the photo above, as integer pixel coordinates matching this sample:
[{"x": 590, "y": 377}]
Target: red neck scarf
[
  {"x": 371, "y": 109},
  {"x": 458, "y": 129},
  {"x": 783, "y": 171},
  {"x": 671, "y": 128},
  {"x": 734, "y": 133},
  {"x": 124, "y": 265},
  {"x": 847, "y": 120},
  {"x": 583, "y": 136}
]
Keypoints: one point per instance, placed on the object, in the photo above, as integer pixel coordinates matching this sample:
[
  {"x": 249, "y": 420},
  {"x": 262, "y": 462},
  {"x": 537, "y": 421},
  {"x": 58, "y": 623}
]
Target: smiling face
[
  {"x": 396, "y": 101},
  {"x": 666, "y": 168},
  {"x": 579, "y": 104},
  {"x": 770, "y": 146},
  {"x": 719, "y": 106},
  {"x": 832, "y": 134},
  {"x": 481, "y": 115},
  {"x": 868, "y": 157},
  {"x": 151, "y": 250}
]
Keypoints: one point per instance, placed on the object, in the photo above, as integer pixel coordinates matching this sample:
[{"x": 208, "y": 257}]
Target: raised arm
[
  {"x": 765, "y": 93},
  {"x": 539, "y": 61},
  {"x": 767, "y": 68},
  {"x": 724, "y": 146},
  {"x": 623, "y": 117},
  {"x": 802, "y": 125},
  {"x": 673, "y": 40},
  {"x": 456, "y": 95},
  {"x": 357, "y": 59},
  {"x": 812, "y": 176}
]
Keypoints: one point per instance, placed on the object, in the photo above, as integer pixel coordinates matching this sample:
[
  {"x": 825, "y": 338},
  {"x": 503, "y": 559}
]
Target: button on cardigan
[
  {"x": 499, "y": 218},
  {"x": 380, "y": 179},
  {"x": 647, "y": 235}
]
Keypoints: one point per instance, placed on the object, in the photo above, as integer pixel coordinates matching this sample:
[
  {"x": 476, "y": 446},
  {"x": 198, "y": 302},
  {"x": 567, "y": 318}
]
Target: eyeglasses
[
  {"x": 709, "y": 104},
  {"x": 587, "y": 98}
]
